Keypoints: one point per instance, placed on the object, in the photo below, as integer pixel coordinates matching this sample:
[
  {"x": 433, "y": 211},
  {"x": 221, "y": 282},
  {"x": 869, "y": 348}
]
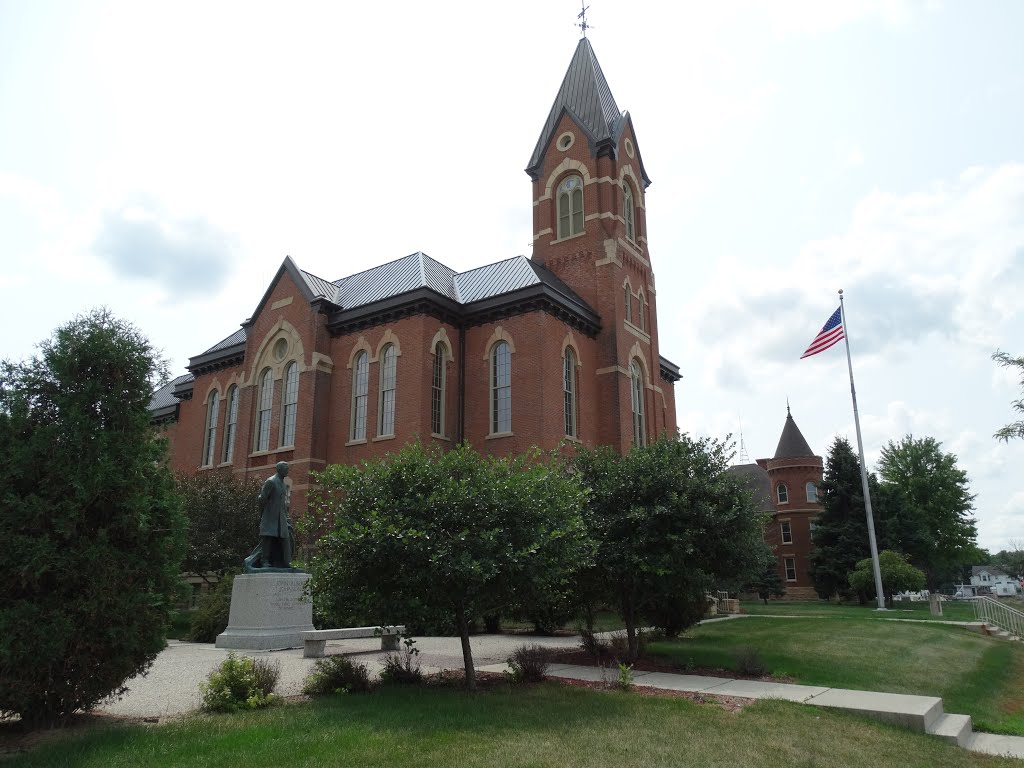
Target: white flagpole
[{"x": 863, "y": 466}]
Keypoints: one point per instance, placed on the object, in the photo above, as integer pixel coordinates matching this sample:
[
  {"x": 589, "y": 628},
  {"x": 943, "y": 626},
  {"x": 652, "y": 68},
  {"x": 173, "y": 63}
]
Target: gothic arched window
[
  {"x": 386, "y": 405},
  {"x": 570, "y": 207},
  {"x": 501, "y": 388},
  {"x": 569, "y": 391},
  {"x": 627, "y": 210},
  {"x": 211, "y": 429},
  {"x": 360, "y": 382},
  {"x": 266, "y": 402},
  {"x": 289, "y": 403},
  {"x": 437, "y": 390},
  {"x": 637, "y": 389},
  {"x": 230, "y": 424}
]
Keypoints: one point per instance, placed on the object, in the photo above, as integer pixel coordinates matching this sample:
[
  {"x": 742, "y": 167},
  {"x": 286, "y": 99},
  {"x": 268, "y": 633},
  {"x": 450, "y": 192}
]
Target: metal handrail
[{"x": 991, "y": 611}]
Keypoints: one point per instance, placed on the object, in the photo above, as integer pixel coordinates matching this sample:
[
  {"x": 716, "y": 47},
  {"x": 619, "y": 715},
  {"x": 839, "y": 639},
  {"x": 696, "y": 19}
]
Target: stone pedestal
[{"x": 268, "y": 612}]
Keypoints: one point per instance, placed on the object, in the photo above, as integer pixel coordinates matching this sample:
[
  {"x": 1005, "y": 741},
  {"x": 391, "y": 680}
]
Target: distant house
[{"x": 987, "y": 579}]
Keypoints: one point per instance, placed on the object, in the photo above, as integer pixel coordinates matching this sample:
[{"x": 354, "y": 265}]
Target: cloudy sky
[{"x": 162, "y": 159}]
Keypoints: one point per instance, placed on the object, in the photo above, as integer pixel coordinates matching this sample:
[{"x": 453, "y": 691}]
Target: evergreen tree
[
  {"x": 92, "y": 527},
  {"x": 1015, "y": 429},
  {"x": 841, "y": 530}
]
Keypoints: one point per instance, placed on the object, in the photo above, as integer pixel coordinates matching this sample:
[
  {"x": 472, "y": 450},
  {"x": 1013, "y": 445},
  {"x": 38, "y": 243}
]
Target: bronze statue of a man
[{"x": 275, "y": 528}]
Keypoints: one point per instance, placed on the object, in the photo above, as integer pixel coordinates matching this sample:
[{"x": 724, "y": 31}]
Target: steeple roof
[
  {"x": 585, "y": 95},
  {"x": 792, "y": 444}
]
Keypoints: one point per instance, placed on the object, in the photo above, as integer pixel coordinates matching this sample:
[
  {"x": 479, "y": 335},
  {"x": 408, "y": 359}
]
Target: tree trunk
[
  {"x": 629, "y": 617},
  {"x": 467, "y": 651}
]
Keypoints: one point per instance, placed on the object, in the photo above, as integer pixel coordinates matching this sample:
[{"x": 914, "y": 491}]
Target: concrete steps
[{"x": 953, "y": 728}]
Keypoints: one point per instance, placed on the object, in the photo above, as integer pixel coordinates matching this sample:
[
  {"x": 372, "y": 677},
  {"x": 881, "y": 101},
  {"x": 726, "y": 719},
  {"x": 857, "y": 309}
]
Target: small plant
[
  {"x": 625, "y": 681},
  {"x": 403, "y": 666},
  {"x": 240, "y": 683},
  {"x": 336, "y": 674},
  {"x": 529, "y": 663},
  {"x": 748, "y": 661}
]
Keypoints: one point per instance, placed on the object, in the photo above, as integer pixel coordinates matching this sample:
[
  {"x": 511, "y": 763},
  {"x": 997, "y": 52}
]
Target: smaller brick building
[{"x": 786, "y": 486}]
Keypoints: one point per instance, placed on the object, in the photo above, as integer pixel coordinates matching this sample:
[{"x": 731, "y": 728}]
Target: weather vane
[{"x": 582, "y": 16}]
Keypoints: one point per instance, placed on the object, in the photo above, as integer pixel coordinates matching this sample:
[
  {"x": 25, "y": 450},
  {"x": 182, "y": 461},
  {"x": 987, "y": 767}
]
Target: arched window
[
  {"x": 627, "y": 210},
  {"x": 812, "y": 493},
  {"x": 501, "y": 388},
  {"x": 289, "y": 403},
  {"x": 230, "y": 423},
  {"x": 437, "y": 383},
  {"x": 570, "y": 207},
  {"x": 641, "y": 309},
  {"x": 263, "y": 414},
  {"x": 569, "y": 391},
  {"x": 360, "y": 383},
  {"x": 639, "y": 430},
  {"x": 211, "y": 429},
  {"x": 628, "y": 295},
  {"x": 783, "y": 494},
  {"x": 386, "y": 404}
]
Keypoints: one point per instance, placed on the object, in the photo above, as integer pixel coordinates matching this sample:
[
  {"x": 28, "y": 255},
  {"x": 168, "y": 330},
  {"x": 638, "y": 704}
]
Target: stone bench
[{"x": 316, "y": 640}]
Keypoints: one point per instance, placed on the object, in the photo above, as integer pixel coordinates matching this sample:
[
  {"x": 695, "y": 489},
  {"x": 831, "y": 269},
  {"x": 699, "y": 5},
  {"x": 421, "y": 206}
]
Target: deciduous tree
[
  {"x": 930, "y": 507},
  {"x": 453, "y": 532},
  {"x": 1014, "y": 429},
  {"x": 898, "y": 575},
  {"x": 93, "y": 532},
  {"x": 670, "y": 523},
  {"x": 223, "y": 521}
]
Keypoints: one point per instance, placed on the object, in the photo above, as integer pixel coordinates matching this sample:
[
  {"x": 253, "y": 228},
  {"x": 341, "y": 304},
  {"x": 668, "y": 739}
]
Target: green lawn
[
  {"x": 549, "y": 725},
  {"x": 975, "y": 675},
  {"x": 952, "y": 610}
]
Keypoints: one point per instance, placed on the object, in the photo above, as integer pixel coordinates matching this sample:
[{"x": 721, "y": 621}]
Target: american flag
[{"x": 829, "y": 335}]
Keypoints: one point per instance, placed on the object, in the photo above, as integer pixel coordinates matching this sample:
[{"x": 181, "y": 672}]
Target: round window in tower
[
  {"x": 629, "y": 148},
  {"x": 565, "y": 141}
]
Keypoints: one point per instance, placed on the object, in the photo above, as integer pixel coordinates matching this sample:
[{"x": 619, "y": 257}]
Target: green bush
[
  {"x": 336, "y": 674},
  {"x": 240, "y": 683},
  {"x": 403, "y": 666},
  {"x": 529, "y": 663},
  {"x": 92, "y": 528},
  {"x": 210, "y": 617}
]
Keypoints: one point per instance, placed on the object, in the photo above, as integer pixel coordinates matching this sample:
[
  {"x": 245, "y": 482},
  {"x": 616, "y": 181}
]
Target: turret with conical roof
[{"x": 795, "y": 474}]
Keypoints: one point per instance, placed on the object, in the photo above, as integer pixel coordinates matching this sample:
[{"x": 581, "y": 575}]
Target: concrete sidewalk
[
  {"x": 919, "y": 713},
  {"x": 171, "y": 687}
]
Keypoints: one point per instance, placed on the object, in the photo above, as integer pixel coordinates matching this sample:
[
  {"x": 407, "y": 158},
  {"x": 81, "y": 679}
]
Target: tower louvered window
[
  {"x": 627, "y": 211},
  {"x": 569, "y": 392},
  {"x": 639, "y": 428},
  {"x": 570, "y": 207}
]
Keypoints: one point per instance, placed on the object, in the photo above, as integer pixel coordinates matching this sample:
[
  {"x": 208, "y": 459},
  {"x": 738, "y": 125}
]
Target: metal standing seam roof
[
  {"x": 238, "y": 337},
  {"x": 164, "y": 397},
  {"x": 586, "y": 96},
  {"x": 792, "y": 444}
]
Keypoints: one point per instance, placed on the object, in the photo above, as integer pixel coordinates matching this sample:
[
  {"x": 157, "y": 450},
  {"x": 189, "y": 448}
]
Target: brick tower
[
  {"x": 590, "y": 229},
  {"x": 794, "y": 474}
]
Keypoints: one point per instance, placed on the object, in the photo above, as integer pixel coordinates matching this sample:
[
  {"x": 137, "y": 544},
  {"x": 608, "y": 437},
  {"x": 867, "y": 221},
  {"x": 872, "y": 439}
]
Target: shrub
[
  {"x": 529, "y": 663},
  {"x": 240, "y": 683},
  {"x": 625, "y": 681},
  {"x": 748, "y": 661},
  {"x": 92, "y": 529},
  {"x": 210, "y": 617},
  {"x": 336, "y": 674},
  {"x": 402, "y": 667}
]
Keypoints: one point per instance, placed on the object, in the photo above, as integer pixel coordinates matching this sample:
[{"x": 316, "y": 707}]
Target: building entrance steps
[{"x": 919, "y": 713}]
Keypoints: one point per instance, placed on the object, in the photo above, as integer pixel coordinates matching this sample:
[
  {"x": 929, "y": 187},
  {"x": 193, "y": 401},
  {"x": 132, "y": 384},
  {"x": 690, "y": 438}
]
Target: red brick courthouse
[{"x": 517, "y": 353}]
